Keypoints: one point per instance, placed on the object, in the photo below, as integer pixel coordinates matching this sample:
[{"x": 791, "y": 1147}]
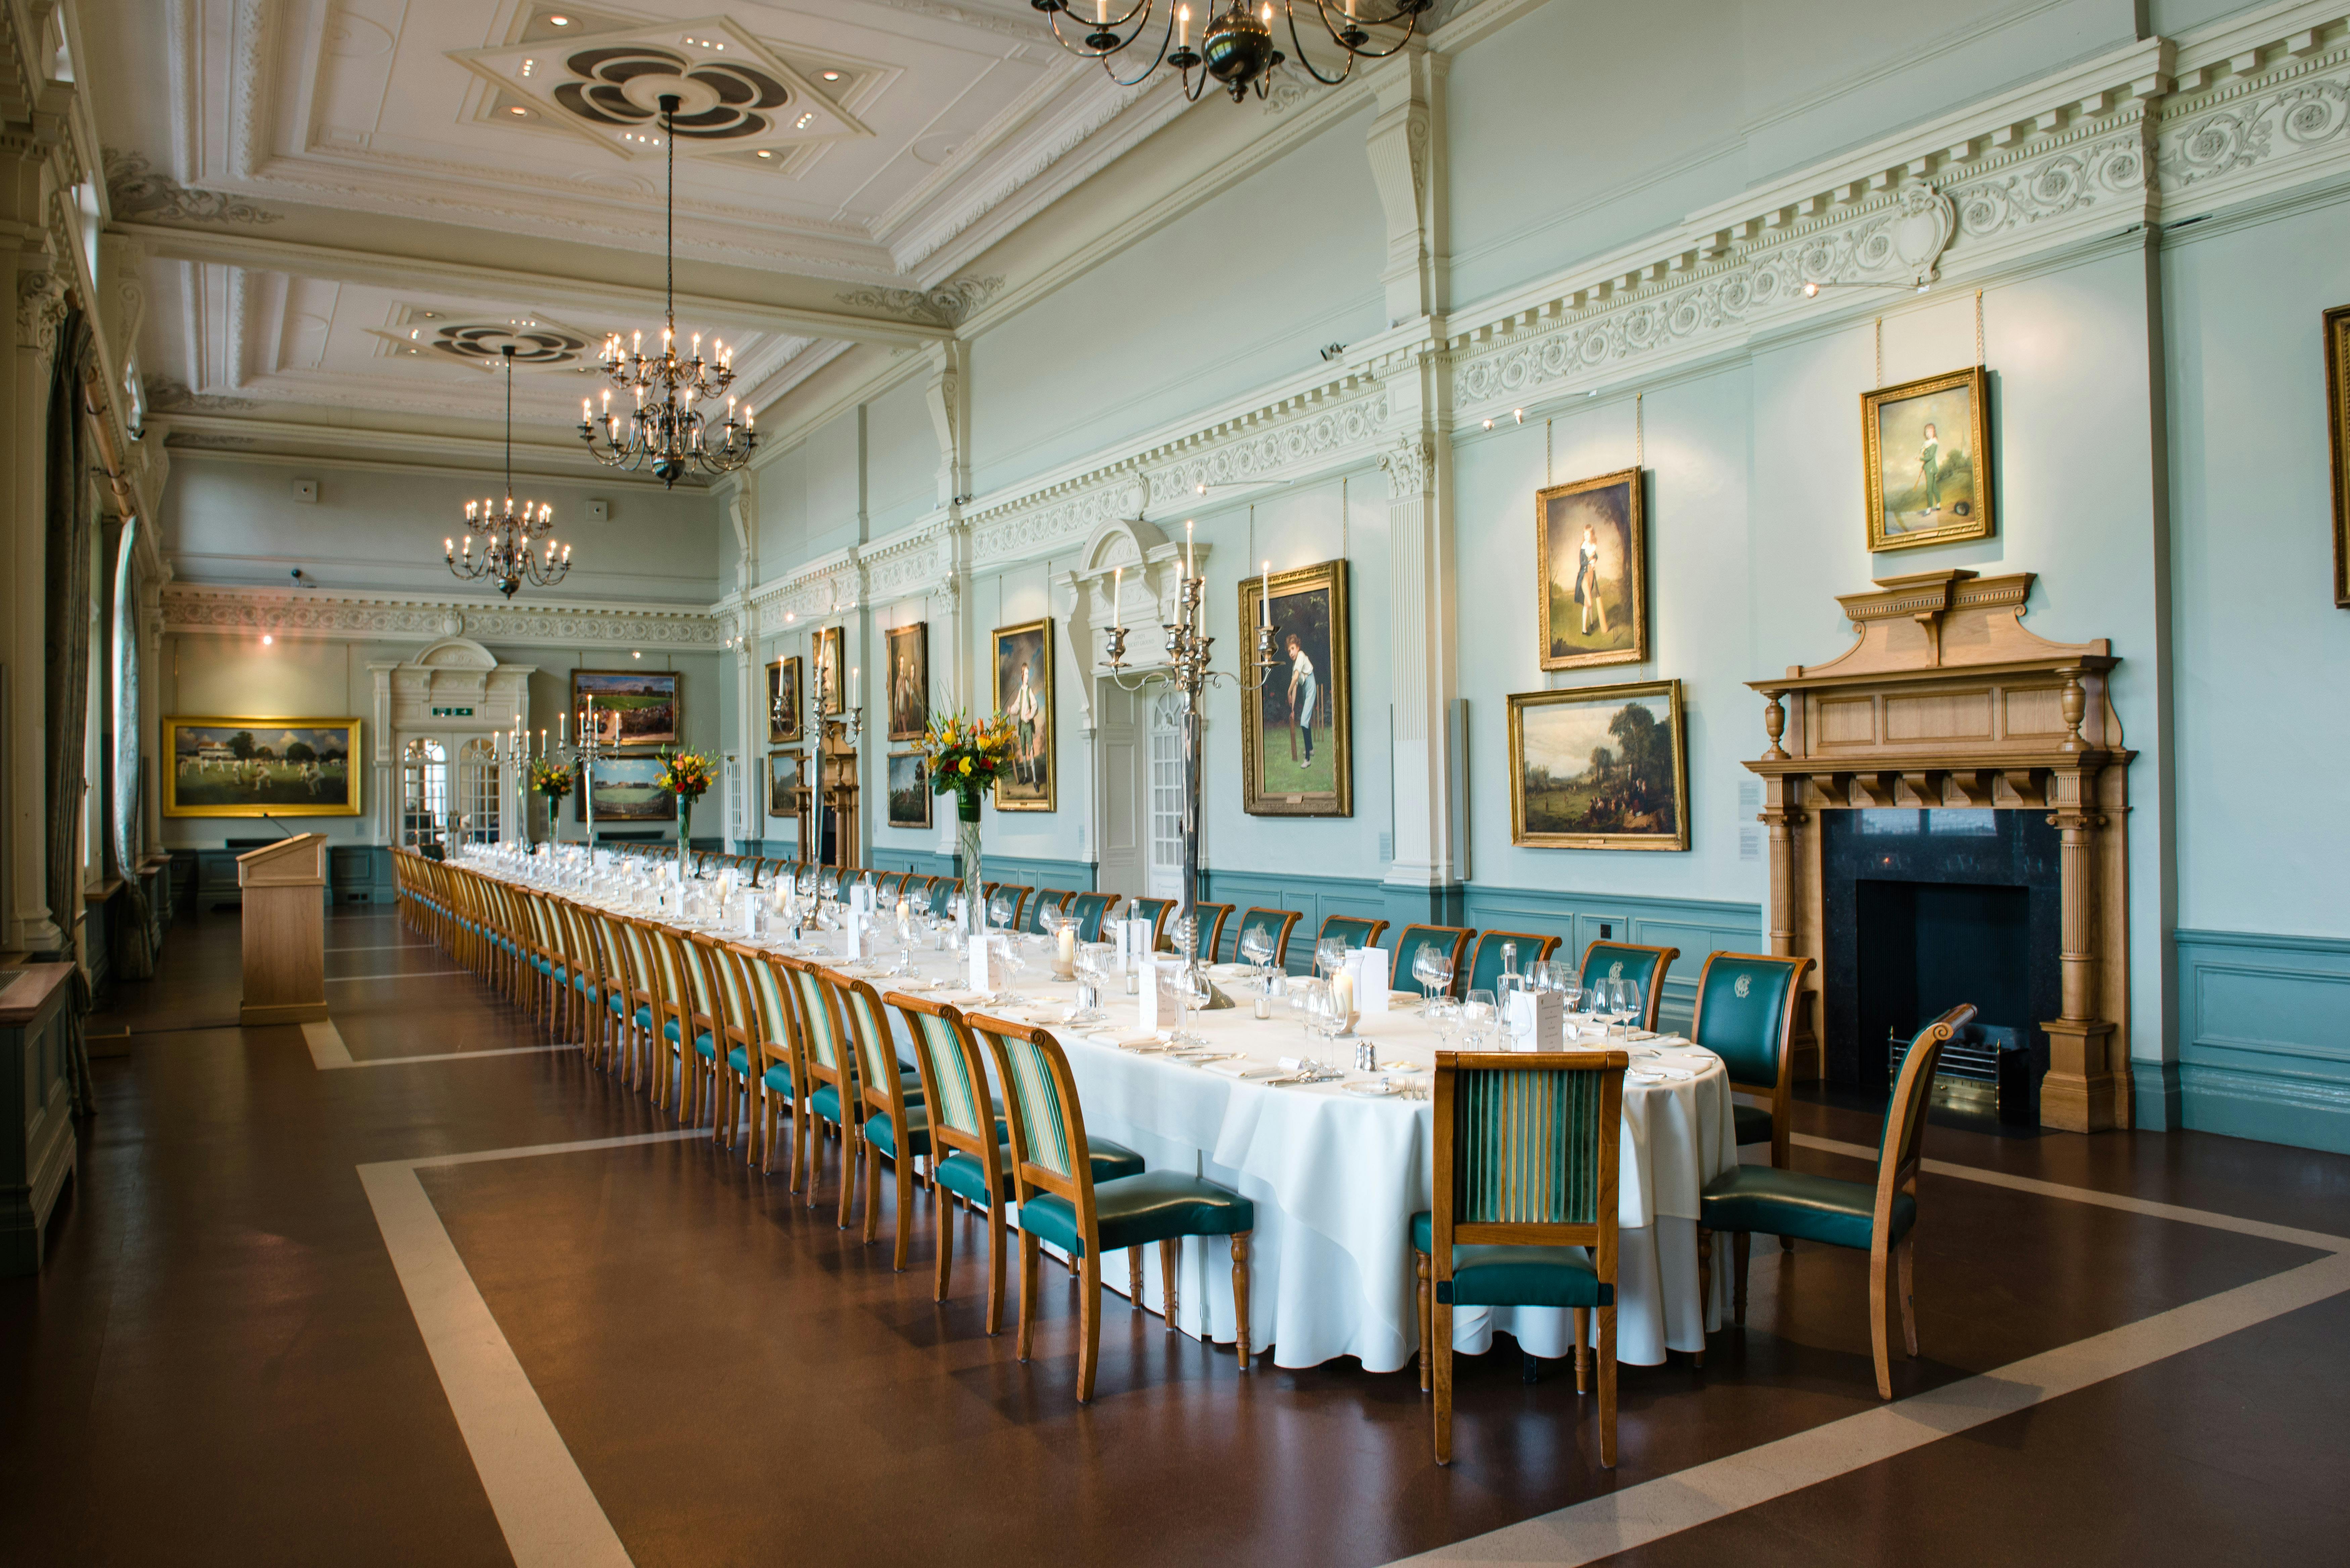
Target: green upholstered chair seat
[
  {"x": 1516, "y": 1276},
  {"x": 1157, "y": 1205},
  {"x": 962, "y": 1173},
  {"x": 645, "y": 1018},
  {"x": 826, "y": 1102},
  {"x": 739, "y": 1058},
  {"x": 1797, "y": 1203},
  {"x": 779, "y": 1079},
  {"x": 706, "y": 1045},
  {"x": 1751, "y": 1123},
  {"x": 882, "y": 1133}
]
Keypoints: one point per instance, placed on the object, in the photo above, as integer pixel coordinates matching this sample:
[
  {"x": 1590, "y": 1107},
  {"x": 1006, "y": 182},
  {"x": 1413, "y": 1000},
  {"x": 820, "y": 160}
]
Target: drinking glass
[
  {"x": 1444, "y": 1015},
  {"x": 1432, "y": 966},
  {"x": 1257, "y": 946},
  {"x": 1628, "y": 1001},
  {"x": 827, "y": 885},
  {"x": 1193, "y": 990},
  {"x": 1330, "y": 956},
  {"x": 1478, "y": 1016},
  {"x": 998, "y": 911},
  {"x": 1305, "y": 998}
]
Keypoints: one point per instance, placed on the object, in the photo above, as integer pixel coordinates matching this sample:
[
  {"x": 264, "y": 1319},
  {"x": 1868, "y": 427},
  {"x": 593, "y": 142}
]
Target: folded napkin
[
  {"x": 1240, "y": 1069},
  {"x": 1133, "y": 1042},
  {"x": 1642, "y": 1034},
  {"x": 957, "y": 998}
]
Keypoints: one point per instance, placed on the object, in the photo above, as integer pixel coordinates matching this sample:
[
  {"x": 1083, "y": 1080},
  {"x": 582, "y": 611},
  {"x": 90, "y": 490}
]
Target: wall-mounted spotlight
[{"x": 1517, "y": 414}]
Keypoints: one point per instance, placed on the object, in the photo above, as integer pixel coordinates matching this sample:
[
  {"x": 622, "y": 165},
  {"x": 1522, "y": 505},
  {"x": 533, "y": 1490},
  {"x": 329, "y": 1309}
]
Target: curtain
[
  {"x": 134, "y": 954},
  {"x": 66, "y": 661}
]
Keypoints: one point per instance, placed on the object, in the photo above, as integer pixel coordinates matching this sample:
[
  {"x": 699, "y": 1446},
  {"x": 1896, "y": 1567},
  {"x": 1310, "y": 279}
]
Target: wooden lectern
[{"x": 284, "y": 930}]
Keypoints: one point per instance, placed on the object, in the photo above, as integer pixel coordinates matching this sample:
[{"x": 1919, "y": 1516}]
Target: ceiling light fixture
[
  {"x": 509, "y": 553},
  {"x": 665, "y": 430},
  {"x": 560, "y": 21},
  {"x": 1236, "y": 49},
  {"x": 832, "y": 75}
]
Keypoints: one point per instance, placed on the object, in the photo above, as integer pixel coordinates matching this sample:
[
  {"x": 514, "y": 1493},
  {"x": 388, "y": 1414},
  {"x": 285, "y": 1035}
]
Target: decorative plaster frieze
[
  {"x": 2247, "y": 132},
  {"x": 135, "y": 190},
  {"x": 165, "y": 395},
  {"x": 944, "y": 305},
  {"x": 193, "y": 607}
]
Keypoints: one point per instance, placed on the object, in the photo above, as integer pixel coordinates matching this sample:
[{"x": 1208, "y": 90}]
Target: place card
[
  {"x": 1369, "y": 968},
  {"x": 1536, "y": 1020}
]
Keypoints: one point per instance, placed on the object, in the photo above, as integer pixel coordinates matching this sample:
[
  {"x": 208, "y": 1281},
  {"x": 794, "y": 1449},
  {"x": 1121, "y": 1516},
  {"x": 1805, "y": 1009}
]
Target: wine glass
[
  {"x": 1257, "y": 946},
  {"x": 1191, "y": 989},
  {"x": 1477, "y": 1017},
  {"x": 998, "y": 911},
  {"x": 1330, "y": 956},
  {"x": 1432, "y": 966},
  {"x": 1629, "y": 1002},
  {"x": 827, "y": 884},
  {"x": 1304, "y": 999}
]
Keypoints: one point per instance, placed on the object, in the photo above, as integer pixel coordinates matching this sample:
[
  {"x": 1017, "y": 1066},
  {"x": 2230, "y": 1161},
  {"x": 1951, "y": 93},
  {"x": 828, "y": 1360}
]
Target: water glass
[{"x": 1477, "y": 1016}]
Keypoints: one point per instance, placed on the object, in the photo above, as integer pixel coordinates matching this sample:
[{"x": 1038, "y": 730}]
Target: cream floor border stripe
[
  {"x": 408, "y": 974},
  {"x": 326, "y": 1048},
  {"x": 1590, "y": 1531},
  {"x": 544, "y": 1506},
  {"x": 329, "y": 1054}
]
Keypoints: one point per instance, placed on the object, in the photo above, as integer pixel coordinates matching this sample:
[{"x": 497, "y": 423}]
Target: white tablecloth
[{"x": 1337, "y": 1179}]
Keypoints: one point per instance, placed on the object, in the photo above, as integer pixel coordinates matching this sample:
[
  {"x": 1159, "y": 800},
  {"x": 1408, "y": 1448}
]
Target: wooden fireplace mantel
[{"x": 1946, "y": 700}]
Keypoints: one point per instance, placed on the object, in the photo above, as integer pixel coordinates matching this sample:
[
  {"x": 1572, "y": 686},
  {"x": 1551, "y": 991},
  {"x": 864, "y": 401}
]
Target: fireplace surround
[{"x": 1946, "y": 702}]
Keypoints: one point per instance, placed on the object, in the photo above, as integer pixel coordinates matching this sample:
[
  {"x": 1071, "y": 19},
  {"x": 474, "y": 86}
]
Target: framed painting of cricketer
[
  {"x": 2337, "y": 440},
  {"x": 1599, "y": 767},
  {"x": 783, "y": 783},
  {"x": 1926, "y": 459},
  {"x": 1297, "y": 731},
  {"x": 910, "y": 790},
  {"x": 830, "y": 677},
  {"x": 635, "y": 709},
  {"x": 1024, "y": 693},
  {"x": 909, "y": 680},
  {"x": 784, "y": 727},
  {"x": 1591, "y": 555},
  {"x": 246, "y": 767}
]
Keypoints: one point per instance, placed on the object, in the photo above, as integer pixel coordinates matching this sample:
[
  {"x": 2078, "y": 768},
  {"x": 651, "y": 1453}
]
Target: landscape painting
[
  {"x": 910, "y": 790},
  {"x": 246, "y": 767},
  {"x": 783, "y": 702},
  {"x": 1928, "y": 462},
  {"x": 627, "y": 790},
  {"x": 782, "y": 782},
  {"x": 634, "y": 709},
  {"x": 1024, "y": 693},
  {"x": 1298, "y": 731},
  {"x": 1591, "y": 551},
  {"x": 1599, "y": 767},
  {"x": 909, "y": 680}
]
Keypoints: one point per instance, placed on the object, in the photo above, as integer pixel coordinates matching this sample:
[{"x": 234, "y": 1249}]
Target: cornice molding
[{"x": 406, "y": 618}]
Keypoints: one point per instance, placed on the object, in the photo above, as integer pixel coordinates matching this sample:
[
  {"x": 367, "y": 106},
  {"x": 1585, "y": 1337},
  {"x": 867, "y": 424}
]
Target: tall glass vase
[
  {"x": 684, "y": 833},
  {"x": 554, "y": 815},
  {"x": 967, "y": 848}
]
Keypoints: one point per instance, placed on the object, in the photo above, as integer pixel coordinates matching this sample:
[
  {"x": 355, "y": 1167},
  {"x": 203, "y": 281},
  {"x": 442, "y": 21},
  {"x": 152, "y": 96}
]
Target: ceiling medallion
[
  {"x": 1236, "y": 48},
  {"x": 509, "y": 550},
  {"x": 664, "y": 430}
]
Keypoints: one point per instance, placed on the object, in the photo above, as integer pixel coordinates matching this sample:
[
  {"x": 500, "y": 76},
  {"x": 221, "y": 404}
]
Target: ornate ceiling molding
[
  {"x": 348, "y": 617},
  {"x": 136, "y": 191},
  {"x": 944, "y": 305}
]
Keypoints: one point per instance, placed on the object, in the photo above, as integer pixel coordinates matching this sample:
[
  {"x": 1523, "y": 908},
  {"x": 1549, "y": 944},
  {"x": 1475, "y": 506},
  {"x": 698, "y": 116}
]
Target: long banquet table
[{"x": 1336, "y": 1177}]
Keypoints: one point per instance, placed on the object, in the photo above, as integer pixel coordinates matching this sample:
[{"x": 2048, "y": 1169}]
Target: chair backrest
[
  {"x": 672, "y": 993},
  {"x": 1274, "y": 923},
  {"x": 644, "y": 973},
  {"x": 1746, "y": 1013},
  {"x": 1046, "y": 902},
  {"x": 941, "y": 895},
  {"x": 1526, "y": 1150},
  {"x": 1355, "y": 931},
  {"x": 1629, "y": 960},
  {"x": 770, "y": 1019},
  {"x": 1900, "y": 1146},
  {"x": 1451, "y": 941},
  {"x": 734, "y": 1011},
  {"x": 1091, "y": 909},
  {"x": 1485, "y": 968},
  {"x": 1016, "y": 893},
  {"x": 878, "y": 1086},
  {"x": 1049, "y": 1153},
  {"x": 1156, "y": 911},
  {"x": 1211, "y": 919},
  {"x": 954, "y": 1082},
  {"x": 827, "y": 1059}
]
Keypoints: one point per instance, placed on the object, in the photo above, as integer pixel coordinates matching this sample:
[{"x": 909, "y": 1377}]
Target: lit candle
[
  {"x": 562, "y": 728},
  {"x": 1191, "y": 568},
  {"x": 1118, "y": 596},
  {"x": 1067, "y": 939},
  {"x": 542, "y": 740},
  {"x": 1183, "y": 26},
  {"x": 1342, "y": 987},
  {"x": 853, "y": 685},
  {"x": 1264, "y": 592}
]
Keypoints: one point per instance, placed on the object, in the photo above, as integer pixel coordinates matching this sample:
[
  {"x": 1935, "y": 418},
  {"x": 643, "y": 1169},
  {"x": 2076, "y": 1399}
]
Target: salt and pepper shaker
[{"x": 1367, "y": 1056}]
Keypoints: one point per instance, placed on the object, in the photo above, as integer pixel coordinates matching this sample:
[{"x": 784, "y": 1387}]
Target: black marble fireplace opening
[{"x": 1922, "y": 909}]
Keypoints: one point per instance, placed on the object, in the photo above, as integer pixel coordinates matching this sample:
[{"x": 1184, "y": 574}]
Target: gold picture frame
[
  {"x": 1024, "y": 680},
  {"x": 1584, "y": 774},
  {"x": 908, "y": 779},
  {"x": 240, "y": 767},
  {"x": 1910, "y": 470},
  {"x": 784, "y": 698},
  {"x": 636, "y": 710},
  {"x": 784, "y": 784},
  {"x": 908, "y": 693},
  {"x": 1588, "y": 534},
  {"x": 1310, "y": 679},
  {"x": 2337, "y": 442},
  {"x": 831, "y": 691}
]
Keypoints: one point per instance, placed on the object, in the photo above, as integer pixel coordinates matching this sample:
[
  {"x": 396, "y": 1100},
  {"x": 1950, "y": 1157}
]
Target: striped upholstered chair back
[
  {"x": 1048, "y": 1128},
  {"x": 1527, "y": 1148}
]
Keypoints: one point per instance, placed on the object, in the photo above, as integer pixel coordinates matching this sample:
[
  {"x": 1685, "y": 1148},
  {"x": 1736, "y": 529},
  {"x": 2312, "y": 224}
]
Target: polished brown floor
[{"x": 218, "y": 1364}]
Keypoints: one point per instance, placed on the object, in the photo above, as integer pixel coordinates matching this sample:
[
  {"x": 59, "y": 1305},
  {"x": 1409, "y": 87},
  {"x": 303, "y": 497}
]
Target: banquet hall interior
[{"x": 1102, "y": 781}]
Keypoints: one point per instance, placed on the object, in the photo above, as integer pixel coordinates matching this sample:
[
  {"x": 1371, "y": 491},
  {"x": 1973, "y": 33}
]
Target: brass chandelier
[
  {"x": 1236, "y": 48},
  {"x": 664, "y": 430},
  {"x": 510, "y": 554}
]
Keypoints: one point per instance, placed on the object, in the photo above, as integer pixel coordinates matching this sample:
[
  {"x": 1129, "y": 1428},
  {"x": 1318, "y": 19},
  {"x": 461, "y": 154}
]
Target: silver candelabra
[
  {"x": 1187, "y": 671},
  {"x": 581, "y": 756}
]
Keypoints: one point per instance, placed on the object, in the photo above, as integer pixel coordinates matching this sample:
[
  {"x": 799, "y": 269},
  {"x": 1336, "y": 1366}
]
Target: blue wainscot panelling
[
  {"x": 920, "y": 862},
  {"x": 2263, "y": 1051},
  {"x": 1068, "y": 875},
  {"x": 1316, "y": 899}
]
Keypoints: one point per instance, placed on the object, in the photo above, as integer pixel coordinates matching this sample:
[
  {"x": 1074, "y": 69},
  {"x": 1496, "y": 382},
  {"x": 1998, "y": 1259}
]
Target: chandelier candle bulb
[
  {"x": 1190, "y": 560},
  {"x": 1118, "y": 596},
  {"x": 1183, "y": 26},
  {"x": 1265, "y": 595}
]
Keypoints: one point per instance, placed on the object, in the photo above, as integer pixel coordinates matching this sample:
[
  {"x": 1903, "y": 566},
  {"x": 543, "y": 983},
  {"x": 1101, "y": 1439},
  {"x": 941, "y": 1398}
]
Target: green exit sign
[{"x": 452, "y": 713}]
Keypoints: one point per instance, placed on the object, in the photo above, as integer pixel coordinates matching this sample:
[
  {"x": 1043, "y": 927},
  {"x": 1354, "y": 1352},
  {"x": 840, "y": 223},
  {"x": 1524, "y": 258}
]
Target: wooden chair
[
  {"x": 970, "y": 1160},
  {"x": 828, "y": 1071},
  {"x": 1156, "y": 911},
  {"x": 774, "y": 1030},
  {"x": 1451, "y": 941},
  {"x": 1091, "y": 909},
  {"x": 890, "y": 1123},
  {"x": 1274, "y": 923},
  {"x": 1014, "y": 891},
  {"x": 729, "y": 1059},
  {"x": 1061, "y": 1204},
  {"x": 1355, "y": 931},
  {"x": 1629, "y": 960},
  {"x": 1046, "y": 902},
  {"x": 1879, "y": 1218},
  {"x": 1746, "y": 1016},
  {"x": 1485, "y": 966},
  {"x": 1211, "y": 919},
  {"x": 1525, "y": 1161},
  {"x": 942, "y": 896}
]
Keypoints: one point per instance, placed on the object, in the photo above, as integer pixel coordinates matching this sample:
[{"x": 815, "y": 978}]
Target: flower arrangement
[
  {"x": 966, "y": 755},
  {"x": 685, "y": 774},
  {"x": 550, "y": 778}
]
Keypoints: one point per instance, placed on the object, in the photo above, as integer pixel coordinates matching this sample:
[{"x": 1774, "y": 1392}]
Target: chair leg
[
  {"x": 946, "y": 1247},
  {"x": 1704, "y": 1290},
  {"x": 850, "y": 1154},
  {"x": 1608, "y": 1387},
  {"x": 1028, "y": 1252},
  {"x": 1426, "y": 1361},
  {"x": 1441, "y": 1338},
  {"x": 1134, "y": 1275},
  {"x": 1582, "y": 1350},
  {"x": 1240, "y": 1299},
  {"x": 906, "y": 1213},
  {"x": 1738, "y": 1240},
  {"x": 873, "y": 1187},
  {"x": 1903, "y": 1257},
  {"x": 1878, "y": 1290},
  {"x": 995, "y": 1249},
  {"x": 1170, "y": 1262},
  {"x": 1089, "y": 1316}
]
